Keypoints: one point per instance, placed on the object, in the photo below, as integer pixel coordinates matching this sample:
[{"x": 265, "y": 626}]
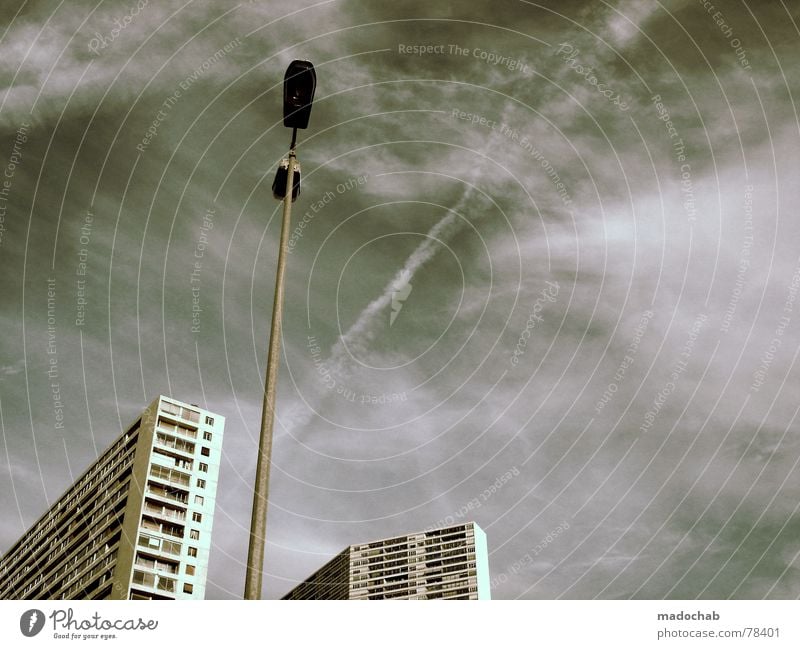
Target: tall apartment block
[
  {"x": 136, "y": 524},
  {"x": 447, "y": 563}
]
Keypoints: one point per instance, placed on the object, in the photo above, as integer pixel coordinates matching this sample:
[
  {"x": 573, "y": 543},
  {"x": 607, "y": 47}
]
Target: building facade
[
  {"x": 137, "y": 523},
  {"x": 447, "y": 563}
]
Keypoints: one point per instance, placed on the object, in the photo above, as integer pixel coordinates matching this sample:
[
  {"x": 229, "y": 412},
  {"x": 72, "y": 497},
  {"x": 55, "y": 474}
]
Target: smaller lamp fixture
[{"x": 279, "y": 184}]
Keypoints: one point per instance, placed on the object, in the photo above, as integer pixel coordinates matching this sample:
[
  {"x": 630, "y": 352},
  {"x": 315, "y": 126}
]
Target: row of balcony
[
  {"x": 173, "y": 442},
  {"x": 164, "y": 512},
  {"x": 150, "y": 580},
  {"x": 168, "y": 493}
]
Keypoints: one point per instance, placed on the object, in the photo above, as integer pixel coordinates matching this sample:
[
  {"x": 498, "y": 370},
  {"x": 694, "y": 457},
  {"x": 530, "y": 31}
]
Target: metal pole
[{"x": 258, "y": 521}]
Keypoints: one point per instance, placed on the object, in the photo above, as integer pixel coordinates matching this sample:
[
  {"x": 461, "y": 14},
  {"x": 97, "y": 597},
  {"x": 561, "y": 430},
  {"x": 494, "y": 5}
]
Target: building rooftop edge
[{"x": 349, "y": 548}]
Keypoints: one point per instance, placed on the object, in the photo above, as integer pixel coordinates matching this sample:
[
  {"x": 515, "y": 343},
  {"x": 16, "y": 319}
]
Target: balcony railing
[
  {"x": 175, "y": 428},
  {"x": 155, "y": 544},
  {"x": 153, "y": 581},
  {"x": 149, "y": 564},
  {"x": 170, "y": 475},
  {"x": 169, "y": 494},
  {"x": 183, "y": 447},
  {"x": 175, "y": 531},
  {"x": 165, "y": 512}
]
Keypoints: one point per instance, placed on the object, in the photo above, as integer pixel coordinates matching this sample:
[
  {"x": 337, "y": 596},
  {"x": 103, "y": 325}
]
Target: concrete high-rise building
[
  {"x": 447, "y": 563},
  {"x": 136, "y": 524}
]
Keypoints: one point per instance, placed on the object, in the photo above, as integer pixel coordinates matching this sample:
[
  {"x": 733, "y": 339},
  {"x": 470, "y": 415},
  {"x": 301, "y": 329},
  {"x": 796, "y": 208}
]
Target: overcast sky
[{"x": 548, "y": 279}]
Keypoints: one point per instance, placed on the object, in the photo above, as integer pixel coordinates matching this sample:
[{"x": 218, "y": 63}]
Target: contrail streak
[
  {"x": 362, "y": 332},
  {"x": 357, "y": 339}
]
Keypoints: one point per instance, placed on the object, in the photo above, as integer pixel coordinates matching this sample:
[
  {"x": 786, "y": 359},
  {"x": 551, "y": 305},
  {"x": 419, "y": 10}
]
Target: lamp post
[{"x": 299, "y": 84}]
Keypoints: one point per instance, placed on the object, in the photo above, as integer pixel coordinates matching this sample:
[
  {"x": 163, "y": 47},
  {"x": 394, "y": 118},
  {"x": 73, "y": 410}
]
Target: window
[
  {"x": 172, "y": 493},
  {"x": 203, "y": 467},
  {"x": 187, "y": 588},
  {"x": 179, "y": 461},
  {"x": 201, "y": 484},
  {"x": 205, "y": 451},
  {"x": 156, "y": 564},
  {"x": 163, "y": 511},
  {"x": 192, "y": 552},
  {"x": 165, "y": 528},
  {"x": 173, "y": 427},
  {"x": 197, "y": 517},
  {"x": 198, "y": 500},
  {"x": 165, "y": 583},
  {"x": 170, "y": 408},
  {"x": 189, "y": 570},
  {"x": 143, "y": 578},
  {"x": 174, "y": 442},
  {"x": 170, "y": 547},
  {"x": 135, "y": 595},
  {"x": 163, "y": 473},
  {"x": 207, "y": 436},
  {"x": 194, "y": 534},
  {"x": 209, "y": 422}
]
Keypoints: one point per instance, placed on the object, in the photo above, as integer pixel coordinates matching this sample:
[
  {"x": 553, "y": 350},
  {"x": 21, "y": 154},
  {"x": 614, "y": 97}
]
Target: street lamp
[{"x": 299, "y": 84}]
